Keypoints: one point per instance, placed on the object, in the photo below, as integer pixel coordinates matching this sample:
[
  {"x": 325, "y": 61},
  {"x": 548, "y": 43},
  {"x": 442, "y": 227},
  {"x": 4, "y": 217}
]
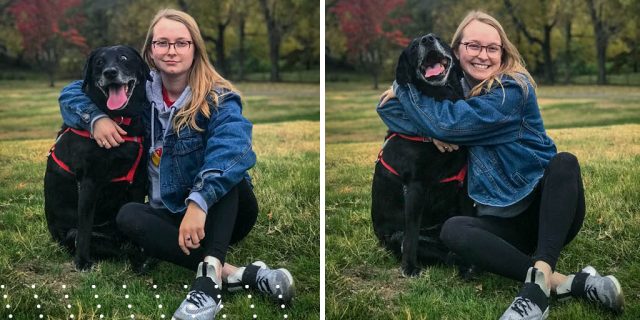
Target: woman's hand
[
  {"x": 191, "y": 228},
  {"x": 387, "y": 95},
  {"x": 107, "y": 133},
  {"x": 445, "y": 147}
]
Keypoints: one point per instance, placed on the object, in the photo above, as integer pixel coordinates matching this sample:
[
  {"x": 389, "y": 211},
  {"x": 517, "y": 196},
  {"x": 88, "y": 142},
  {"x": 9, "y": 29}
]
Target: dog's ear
[
  {"x": 403, "y": 69},
  {"x": 144, "y": 71},
  {"x": 88, "y": 70}
]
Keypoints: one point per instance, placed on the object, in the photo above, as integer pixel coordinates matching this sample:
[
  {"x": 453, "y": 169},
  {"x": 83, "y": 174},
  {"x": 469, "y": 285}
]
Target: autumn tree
[
  {"x": 48, "y": 29},
  {"x": 370, "y": 29}
]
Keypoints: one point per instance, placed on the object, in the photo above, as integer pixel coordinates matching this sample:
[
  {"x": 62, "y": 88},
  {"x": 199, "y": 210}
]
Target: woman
[
  {"x": 529, "y": 198},
  {"x": 200, "y": 197}
]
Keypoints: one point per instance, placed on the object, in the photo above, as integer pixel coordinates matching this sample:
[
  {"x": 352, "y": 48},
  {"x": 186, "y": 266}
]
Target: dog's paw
[
  {"x": 411, "y": 271},
  {"x": 83, "y": 265}
]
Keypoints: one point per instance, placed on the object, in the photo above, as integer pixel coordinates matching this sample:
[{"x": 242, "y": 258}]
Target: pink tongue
[
  {"x": 117, "y": 98},
  {"x": 434, "y": 70}
]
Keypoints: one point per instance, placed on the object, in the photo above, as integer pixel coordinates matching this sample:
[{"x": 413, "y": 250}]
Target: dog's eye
[
  {"x": 123, "y": 58},
  {"x": 100, "y": 62}
]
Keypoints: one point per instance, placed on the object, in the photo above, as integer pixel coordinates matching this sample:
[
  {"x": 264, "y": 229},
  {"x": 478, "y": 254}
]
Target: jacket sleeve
[
  {"x": 491, "y": 118},
  {"x": 77, "y": 110},
  {"x": 228, "y": 153}
]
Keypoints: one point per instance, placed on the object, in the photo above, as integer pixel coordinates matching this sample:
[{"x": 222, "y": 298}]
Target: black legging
[
  {"x": 156, "y": 230},
  {"x": 509, "y": 246}
]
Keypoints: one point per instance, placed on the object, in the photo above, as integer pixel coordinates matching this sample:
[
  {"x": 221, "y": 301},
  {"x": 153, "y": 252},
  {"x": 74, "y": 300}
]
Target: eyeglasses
[
  {"x": 493, "y": 50},
  {"x": 163, "y": 46}
]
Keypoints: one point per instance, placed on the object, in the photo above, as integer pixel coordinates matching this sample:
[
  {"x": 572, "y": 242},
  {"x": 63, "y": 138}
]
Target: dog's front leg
[
  {"x": 414, "y": 202},
  {"x": 87, "y": 193}
]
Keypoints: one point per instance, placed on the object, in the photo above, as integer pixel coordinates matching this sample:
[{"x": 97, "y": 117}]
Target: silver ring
[
  {"x": 188, "y": 238},
  {"x": 446, "y": 148}
]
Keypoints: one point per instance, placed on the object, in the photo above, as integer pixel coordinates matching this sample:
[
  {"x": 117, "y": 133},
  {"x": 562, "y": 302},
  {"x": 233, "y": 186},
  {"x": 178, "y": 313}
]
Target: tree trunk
[
  {"x": 221, "y": 63},
  {"x": 548, "y": 60},
  {"x": 568, "y": 57},
  {"x": 274, "y": 40},
  {"x": 241, "y": 52},
  {"x": 602, "y": 39}
]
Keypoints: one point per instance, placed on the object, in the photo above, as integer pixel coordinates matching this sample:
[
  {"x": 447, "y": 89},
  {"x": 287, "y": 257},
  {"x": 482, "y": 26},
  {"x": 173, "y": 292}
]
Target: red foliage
[
  {"x": 363, "y": 22},
  {"x": 42, "y": 22}
]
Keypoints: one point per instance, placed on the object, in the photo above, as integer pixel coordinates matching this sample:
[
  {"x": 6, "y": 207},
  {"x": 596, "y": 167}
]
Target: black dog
[
  {"x": 415, "y": 186},
  {"x": 85, "y": 185}
]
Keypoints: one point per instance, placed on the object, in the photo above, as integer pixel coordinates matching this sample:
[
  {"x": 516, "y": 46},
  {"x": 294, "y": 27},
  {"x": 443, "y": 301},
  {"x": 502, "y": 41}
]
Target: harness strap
[
  {"x": 86, "y": 134},
  {"x": 458, "y": 177}
]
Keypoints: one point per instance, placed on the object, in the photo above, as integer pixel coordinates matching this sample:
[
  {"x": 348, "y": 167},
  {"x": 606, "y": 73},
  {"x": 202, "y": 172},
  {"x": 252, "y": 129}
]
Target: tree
[
  {"x": 280, "y": 16},
  {"x": 605, "y": 25},
  {"x": 370, "y": 28},
  {"x": 48, "y": 28}
]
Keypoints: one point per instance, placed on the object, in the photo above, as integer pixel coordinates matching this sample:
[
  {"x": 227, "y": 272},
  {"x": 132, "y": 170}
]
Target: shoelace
[
  {"x": 263, "y": 284},
  {"x": 520, "y": 305},
  {"x": 197, "y": 298},
  {"x": 592, "y": 293}
]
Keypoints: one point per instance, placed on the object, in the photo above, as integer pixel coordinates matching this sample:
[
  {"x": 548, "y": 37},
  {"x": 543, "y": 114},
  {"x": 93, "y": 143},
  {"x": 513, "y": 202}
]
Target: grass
[
  {"x": 600, "y": 125},
  {"x": 286, "y": 178}
]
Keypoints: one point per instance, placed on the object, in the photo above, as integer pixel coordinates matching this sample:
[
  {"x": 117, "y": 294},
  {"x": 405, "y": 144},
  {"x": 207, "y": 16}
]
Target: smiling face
[
  {"x": 483, "y": 65},
  {"x": 175, "y": 61}
]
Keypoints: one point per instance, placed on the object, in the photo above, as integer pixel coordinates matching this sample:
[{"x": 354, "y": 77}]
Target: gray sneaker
[
  {"x": 605, "y": 291},
  {"x": 204, "y": 300},
  {"x": 277, "y": 284},
  {"x": 532, "y": 303}
]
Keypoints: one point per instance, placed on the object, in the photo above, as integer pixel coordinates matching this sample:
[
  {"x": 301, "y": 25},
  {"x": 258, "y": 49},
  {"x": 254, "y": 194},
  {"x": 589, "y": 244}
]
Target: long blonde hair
[
  {"x": 512, "y": 63},
  {"x": 203, "y": 78}
]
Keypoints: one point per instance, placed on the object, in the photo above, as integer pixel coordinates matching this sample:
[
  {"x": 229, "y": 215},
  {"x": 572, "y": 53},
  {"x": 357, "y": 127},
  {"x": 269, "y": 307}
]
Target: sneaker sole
[{"x": 618, "y": 306}]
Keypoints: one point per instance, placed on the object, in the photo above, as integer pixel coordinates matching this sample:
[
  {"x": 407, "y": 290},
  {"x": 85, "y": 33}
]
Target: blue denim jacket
[
  {"x": 503, "y": 129},
  {"x": 209, "y": 163}
]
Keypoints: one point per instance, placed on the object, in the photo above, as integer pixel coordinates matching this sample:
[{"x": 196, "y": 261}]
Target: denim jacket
[
  {"x": 503, "y": 129},
  {"x": 208, "y": 163}
]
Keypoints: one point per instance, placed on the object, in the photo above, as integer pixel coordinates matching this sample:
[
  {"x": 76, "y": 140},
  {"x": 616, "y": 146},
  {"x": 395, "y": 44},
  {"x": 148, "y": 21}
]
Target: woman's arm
[
  {"x": 491, "y": 118},
  {"x": 78, "y": 111},
  {"x": 228, "y": 153}
]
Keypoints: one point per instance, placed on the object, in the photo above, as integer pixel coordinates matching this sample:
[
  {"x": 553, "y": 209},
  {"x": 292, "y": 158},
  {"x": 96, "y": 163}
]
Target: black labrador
[
  {"x": 85, "y": 185},
  {"x": 415, "y": 186}
]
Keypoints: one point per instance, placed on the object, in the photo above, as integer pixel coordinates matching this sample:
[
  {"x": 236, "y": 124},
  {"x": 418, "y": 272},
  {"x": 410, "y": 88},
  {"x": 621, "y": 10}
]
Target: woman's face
[
  {"x": 172, "y": 48},
  {"x": 480, "y": 51}
]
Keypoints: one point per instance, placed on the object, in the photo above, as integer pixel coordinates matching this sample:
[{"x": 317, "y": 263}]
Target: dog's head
[
  {"x": 431, "y": 66},
  {"x": 114, "y": 77}
]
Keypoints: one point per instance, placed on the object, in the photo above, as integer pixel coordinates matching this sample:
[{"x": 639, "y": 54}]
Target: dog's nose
[
  {"x": 110, "y": 73},
  {"x": 428, "y": 38}
]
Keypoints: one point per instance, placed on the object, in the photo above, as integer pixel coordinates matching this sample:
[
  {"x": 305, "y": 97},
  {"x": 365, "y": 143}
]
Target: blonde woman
[
  {"x": 529, "y": 198},
  {"x": 200, "y": 197}
]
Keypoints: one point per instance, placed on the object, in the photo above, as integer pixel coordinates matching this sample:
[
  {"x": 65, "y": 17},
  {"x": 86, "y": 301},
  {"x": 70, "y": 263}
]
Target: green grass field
[
  {"x": 34, "y": 271},
  {"x": 601, "y": 125}
]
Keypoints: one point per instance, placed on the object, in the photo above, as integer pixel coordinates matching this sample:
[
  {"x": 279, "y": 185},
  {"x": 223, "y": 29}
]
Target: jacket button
[{"x": 86, "y": 117}]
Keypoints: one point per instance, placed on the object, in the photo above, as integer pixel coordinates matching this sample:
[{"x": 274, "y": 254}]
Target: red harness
[
  {"x": 458, "y": 177},
  {"x": 83, "y": 133}
]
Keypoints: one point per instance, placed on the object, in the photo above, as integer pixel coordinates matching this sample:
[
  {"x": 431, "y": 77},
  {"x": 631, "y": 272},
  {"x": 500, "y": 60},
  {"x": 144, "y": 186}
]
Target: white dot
[
  {"x": 221, "y": 306},
  {"x": 246, "y": 286},
  {"x": 219, "y": 296},
  {"x": 129, "y": 306},
  {"x": 66, "y": 296},
  {"x": 224, "y": 316},
  {"x": 286, "y": 316},
  {"x": 252, "y": 306},
  {"x": 38, "y": 306},
  {"x": 162, "y": 316},
  {"x": 95, "y": 296},
  {"x": 157, "y": 296},
  {"x": 8, "y": 306},
  {"x": 155, "y": 286},
  {"x": 99, "y": 306},
  {"x": 33, "y": 286},
  {"x": 282, "y": 306},
  {"x": 185, "y": 286},
  {"x": 5, "y": 296},
  {"x": 68, "y": 306},
  {"x": 2, "y": 286},
  {"x": 40, "y": 316},
  {"x": 10, "y": 316},
  {"x": 101, "y": 316},
  {"x": 277, "y": 286},
  {"x": 35, "y": 296},
  {"x": 255, "y": 316},
  {"x": 249, "y": 296},
  {"x": 159, "y": 306},
  {"x": 93, "y": 286},
  {"x": 124, "y": 286},
  {"x": 132, "y": 316},
  {"x": 64, "y": 286},
  {"x": 126, "y": 296},
  {"x": 71, "y": 316},
  {"x": 279, "y": 296}
]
